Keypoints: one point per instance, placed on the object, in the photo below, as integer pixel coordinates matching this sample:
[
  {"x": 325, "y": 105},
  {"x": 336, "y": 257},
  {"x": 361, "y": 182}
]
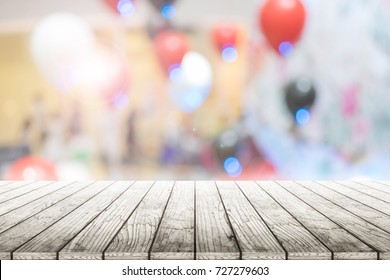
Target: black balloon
[
  {"x": 299, "y": 94},
  {"x": 226, "y": 145},
  {"x": 158, "y": 4}
]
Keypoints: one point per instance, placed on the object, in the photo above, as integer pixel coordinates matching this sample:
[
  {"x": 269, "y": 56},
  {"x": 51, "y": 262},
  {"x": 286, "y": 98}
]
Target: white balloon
[
  {"x": 58, "y": 44},
  {"x": 197, "y": 70},
  {"x": 191, "y": 82}
]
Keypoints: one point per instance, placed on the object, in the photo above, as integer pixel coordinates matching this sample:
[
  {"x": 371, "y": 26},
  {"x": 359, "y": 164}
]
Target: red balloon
[
  {"x": 170, "y": 47},
  {"x": 112, "y": 4},
  {"x": 224, "y": 34},
  {"x": 32, "y": 168},
  {"x": 282, "y": 21}
]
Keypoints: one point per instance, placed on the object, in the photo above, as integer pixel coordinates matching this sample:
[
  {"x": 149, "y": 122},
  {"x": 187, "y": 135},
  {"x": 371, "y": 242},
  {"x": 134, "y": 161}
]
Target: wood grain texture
[
  {"x": 359, "y": 196},
  {"x": 214, "y": 236},
  {"x": 46, "y": 244},
  {"x": 362, "y": 187},
  {"x": 368, "y": 233},
  {"x": 367, "y": 213},
  {"x": 93, "y": 239},
  {"x": 16, "y": 236},
  {"x": 297, "y": 240},
  {"x": 21, "y": 200},
  {"x": 25, "y": 190},
  {"x": 194, "y": 220},
  {"x": 28, "y": 210},
  {"x": 135, "y": 238},
  {"x": 175, "y": 236},
  {"x": 339, "y": 241},
  {"x": 376, "y": 185},
  {"x": 255, "y": 239},
  {"x": 13, "y": 185}
]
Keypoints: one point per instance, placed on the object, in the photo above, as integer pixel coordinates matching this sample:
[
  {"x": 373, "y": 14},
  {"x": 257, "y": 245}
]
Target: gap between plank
[
  {"x": 353, "y": 198},
  {"x": 48, "y": 184},
  {"x": 105, "y": 208},
  {"x": 230, "y": 223},
  {"x": 36, "y": 199},
  {"x": 372, "y": 247},
  {"x": 337, "y": 182},
  {"x": 12, "y": 253},
  {"x": 124, "y": 223},
  {"x": 159, "y": 223},
  {"x": 331, "y": 252},
  {"x": 250, "y": 202},
  {"x": 347, "y": 209}
]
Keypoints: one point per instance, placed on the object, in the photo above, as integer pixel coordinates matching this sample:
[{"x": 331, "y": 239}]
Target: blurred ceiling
[{"x": 21, "y": 15}]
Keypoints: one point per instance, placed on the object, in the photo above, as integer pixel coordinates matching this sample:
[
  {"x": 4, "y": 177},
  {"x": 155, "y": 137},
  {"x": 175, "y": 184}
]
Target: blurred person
[
  {"x": 131, "y": 145},
  {"x": 53, "y": 148},
  {"x": 38, "y": 123},
  {"x": 110, "y": 132},
  {"x": 26, "y": 138},
  {"x": 79, "y": 146}
]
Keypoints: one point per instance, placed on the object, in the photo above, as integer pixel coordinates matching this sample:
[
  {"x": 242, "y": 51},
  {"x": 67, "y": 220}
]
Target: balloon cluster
[
  {"x": 189, "y": 72},
  {"x": 170, "y": 47}
]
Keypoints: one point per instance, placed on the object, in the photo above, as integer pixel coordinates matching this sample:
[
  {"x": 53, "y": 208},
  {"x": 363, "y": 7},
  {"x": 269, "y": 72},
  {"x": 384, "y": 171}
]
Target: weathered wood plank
[
  {"x": 14, "y": 185},
  {"x": 48, "y": 243},
  {"x": 255, "y": 239},
  {"x": 381, "y": 186},
  {"x": 297, "y": 240},
  {"x": 214, "y": 236},
  {"x": 135, "y": 238},
  {"x": 386, "y": 183},
  {"x": 339, "y": 241},
  {"x": 16, "y": 236},
  {"x": 361, "y": 187},
  {"x": 376, "y": 185},
  {"x": 361, "y": 197},
  {"x": 93, "y": 239},
  {"x": 370, "y": 234},
  {"x": 26, "y": 190},
  {"x": 23, "y": 199},
  {"x": 22, "y": 213},
  {"x": 365, "y": 212},
  {"x": 175, "y": 236}
]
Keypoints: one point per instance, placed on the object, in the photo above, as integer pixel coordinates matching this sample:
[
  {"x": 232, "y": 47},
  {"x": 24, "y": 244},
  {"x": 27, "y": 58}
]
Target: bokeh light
[
  {"x": 175, "y": 73},
  {"x": 126, "y": 8},
  {"x": 229, "y": 54},
  {"x": 168, "y": 11},
  {"x": 232, "y": 167},
  {"x": 286, "y": 49},
  {"x": 120, "y": 100},
  {"x": 302, "y": 116}
]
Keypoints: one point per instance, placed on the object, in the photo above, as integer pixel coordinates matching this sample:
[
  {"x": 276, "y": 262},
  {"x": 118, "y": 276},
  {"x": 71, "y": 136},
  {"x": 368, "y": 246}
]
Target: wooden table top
[{"x": 195, "y": 220}]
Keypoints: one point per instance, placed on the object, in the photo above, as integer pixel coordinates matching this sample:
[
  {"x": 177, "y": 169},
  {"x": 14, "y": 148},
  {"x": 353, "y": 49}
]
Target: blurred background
[{"x": 222, "y": 89}]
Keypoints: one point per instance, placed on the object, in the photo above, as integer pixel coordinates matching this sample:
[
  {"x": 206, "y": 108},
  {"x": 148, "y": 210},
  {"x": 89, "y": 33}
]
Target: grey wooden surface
[{"x": 195, "y": 220}]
